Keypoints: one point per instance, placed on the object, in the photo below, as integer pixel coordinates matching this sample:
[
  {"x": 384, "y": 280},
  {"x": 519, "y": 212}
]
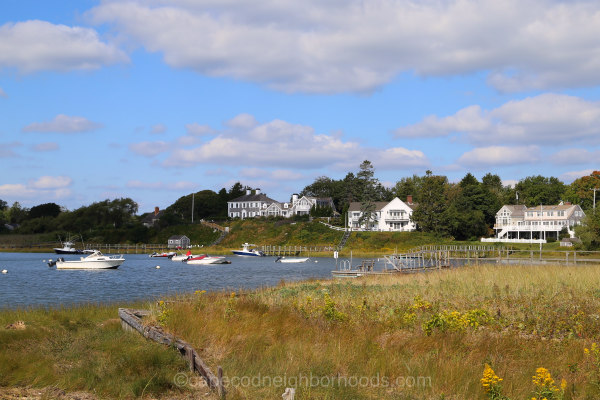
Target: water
[{"x": 30, "y": 282}]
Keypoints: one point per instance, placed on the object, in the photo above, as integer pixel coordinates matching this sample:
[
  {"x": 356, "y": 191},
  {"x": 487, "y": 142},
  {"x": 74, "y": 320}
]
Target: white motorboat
[
  {"x": 247, "y": 251},
  {"x": 292, "y": 259},
  {"x": 206, "y": 259},
  {"x": 166, "y": 254},
  {"x": 182, "y": 257},
  {"x": 67, "y": 248},
  {"x": 96, "y": 260}
]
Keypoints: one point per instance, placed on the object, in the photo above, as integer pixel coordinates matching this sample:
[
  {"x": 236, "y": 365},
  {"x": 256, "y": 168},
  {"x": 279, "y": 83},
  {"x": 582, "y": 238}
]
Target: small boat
[
  {"x": 247, "y": 251},
  {"x": 206, "y": 259},
  {"x": 67, "y": 248},
  {"x": 182, "y": 257},
  {"x": 96, "y": 260},
  {"x": 292, "y": 259},
  {"x": 167, "y": 254}
]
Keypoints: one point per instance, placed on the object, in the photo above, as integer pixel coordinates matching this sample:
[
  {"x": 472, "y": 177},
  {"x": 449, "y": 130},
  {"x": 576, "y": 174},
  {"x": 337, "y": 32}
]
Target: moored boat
[
  {"x": 206, "y": 259},
  {"x": 96, "y": 260},
  {"x": 289, "y": 260},
  {"x": 182, "y": 257},
  {"x": 67, "y": 248},
  {"x": 166, "y": 254},
  {"x": 248, "y": 251}
]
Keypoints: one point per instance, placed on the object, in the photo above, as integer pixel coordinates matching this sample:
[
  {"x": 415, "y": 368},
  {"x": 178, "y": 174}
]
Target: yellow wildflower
[{"x": 490, "y": 380}]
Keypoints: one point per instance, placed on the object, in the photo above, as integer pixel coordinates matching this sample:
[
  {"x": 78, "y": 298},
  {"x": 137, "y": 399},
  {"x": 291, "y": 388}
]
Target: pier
[{"x": 436, "y": 257}]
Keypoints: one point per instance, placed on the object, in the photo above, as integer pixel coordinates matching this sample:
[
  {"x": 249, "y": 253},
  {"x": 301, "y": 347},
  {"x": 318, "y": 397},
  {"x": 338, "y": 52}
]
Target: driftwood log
[{"x": 132, "y": 320}]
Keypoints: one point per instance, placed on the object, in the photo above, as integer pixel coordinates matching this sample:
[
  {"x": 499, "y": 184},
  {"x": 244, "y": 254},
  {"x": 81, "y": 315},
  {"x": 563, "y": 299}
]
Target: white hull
[
  {"x": 292, "y": 260},
  {"x": 179, "y": 258},
  {"x": 208, "y": 260},
  {"x": 89, "y": 264},
  {"x": 246, "y": 251},
  {"x": 94, "y": 261}
]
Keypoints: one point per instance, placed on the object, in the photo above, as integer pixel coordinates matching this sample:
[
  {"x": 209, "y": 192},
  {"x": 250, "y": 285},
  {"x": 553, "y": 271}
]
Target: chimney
[
  {"x": 257, "y": 191},
  {"x": 248, "y": 192},
  {"x": 294, "y": 198},
  {"x": 156, "y": 209},
  {"x": 409, "y": 199},
  {"x": 567, "y": 203}
]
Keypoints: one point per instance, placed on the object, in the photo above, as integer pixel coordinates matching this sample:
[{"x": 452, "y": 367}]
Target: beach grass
[
  {"x": 420, "y": 336},
  {"x": 83, "y": 348}
]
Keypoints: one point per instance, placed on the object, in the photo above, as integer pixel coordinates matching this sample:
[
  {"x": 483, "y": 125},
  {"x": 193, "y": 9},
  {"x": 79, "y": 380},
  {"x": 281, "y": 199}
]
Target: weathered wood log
[{"x": 132, "y": 320}]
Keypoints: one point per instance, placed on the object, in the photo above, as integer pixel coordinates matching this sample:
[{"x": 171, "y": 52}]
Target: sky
[{"x": 157, "y": 99}]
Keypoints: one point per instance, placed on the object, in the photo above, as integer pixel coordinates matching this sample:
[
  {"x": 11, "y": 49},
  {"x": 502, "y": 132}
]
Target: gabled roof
[
  {"x": 253, "y": 197},
  {"x": 355, "y": 205},
  {"x": 516, "y": 210},
  {"x": 178, "y": 237}
]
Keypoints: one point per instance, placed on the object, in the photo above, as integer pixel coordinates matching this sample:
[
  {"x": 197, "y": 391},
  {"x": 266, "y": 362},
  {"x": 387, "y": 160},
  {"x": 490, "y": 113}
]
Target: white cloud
[
  {"x": 484, "y": 157},
  {"x": 64, "y": 124},
  {"x": 174, "y": 186},
  {"x": 575, "y": 157},
  {"x": 149, "y": 149},
  {"x": 282, "y": 145},
  {"x": 34, "y": 45},
  {"x": 51, "y": 182},
  {"x": 46, "y": 146},
  {"x": 242, "y": 121},
  {"x": 509, "y": 182},
  {"x": 158, "y": 129},
  {"x": 16, "y": 190},
  {"x": 45, "y": 187},
  {"x": 547, "y": 119},
  {"x": 340, "y": 46},
  {"x": 286, "y": 175},
  {"x": 196, "y": 129},
  {"x": 569, "y": 177}
]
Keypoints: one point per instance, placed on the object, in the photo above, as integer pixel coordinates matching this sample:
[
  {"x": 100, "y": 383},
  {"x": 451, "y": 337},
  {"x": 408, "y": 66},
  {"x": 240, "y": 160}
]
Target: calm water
[{"x": 30, "y": 281}]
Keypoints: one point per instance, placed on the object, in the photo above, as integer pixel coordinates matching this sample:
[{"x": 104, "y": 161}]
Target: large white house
[
  {"x": 520, "y": 223},
  {"x": 257, "y": 204},
  {"x": 393, "y": 216}
]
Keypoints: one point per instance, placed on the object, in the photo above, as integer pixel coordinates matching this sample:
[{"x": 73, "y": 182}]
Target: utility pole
[
  {"x": 594, "y": 189},
  {"x": 193, "y": 194}
]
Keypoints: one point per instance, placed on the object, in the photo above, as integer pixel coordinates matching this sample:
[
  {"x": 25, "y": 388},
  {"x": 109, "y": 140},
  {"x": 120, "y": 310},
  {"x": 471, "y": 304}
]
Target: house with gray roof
[
  {"x": 258, "y": 204},
  {"x": 519, "y": 223}
]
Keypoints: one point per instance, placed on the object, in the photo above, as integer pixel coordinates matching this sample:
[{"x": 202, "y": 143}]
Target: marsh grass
[
  {"x": 83, "y": 348},
  {"x": 514, "y": 318}
]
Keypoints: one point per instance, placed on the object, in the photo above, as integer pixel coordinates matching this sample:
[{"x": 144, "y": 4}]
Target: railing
[{"x": 337, "y": 228}]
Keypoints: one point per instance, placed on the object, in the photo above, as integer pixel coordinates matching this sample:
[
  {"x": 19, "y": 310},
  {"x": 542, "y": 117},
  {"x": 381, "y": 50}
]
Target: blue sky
[{"x": 155, "y": 99}]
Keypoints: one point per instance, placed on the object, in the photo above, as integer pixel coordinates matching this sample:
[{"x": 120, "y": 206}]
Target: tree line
[{"x": 463, "y": 210}]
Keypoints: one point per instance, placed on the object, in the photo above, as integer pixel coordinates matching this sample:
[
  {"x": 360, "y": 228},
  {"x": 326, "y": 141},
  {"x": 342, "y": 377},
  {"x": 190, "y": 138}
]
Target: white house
[
  {"x": 393, "y": 216},
  {"x": 259, "y": 205},
  {"x": 516, "y": 223},
  {"x": 249, "y": 205}
]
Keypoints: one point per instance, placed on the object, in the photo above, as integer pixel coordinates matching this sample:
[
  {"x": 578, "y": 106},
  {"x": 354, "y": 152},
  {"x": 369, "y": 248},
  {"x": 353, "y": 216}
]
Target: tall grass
[
  {"x": 83, "y": 348},
  {"x": 431, "y": 334}
]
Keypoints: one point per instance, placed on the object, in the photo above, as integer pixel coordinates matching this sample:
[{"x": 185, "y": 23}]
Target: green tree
[
  {"x": 431, "y": 214},
  {"x": 410, "y": 186},
  {"x": 368, "y": 192},
  {"x": 589, "y": 231},
  {"x": 44, "y": 210},
  {"x": 581, "y": 190},
  {"x": 536, "y": 190},
  {"x": 17, "y": 214}
]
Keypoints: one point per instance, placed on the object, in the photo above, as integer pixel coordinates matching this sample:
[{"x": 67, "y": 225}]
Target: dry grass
[{"x": 431, "y": 334}]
